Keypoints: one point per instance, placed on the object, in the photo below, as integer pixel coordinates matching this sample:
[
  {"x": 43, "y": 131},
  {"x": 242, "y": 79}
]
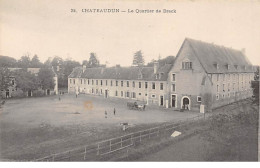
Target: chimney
[
  {"x": 84, "y": 68},
  {"x": 155, "y": 67}
]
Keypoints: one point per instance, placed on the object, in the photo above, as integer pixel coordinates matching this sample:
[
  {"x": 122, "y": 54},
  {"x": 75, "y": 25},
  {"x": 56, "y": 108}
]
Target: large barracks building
[{"x": 202, "y": 74}]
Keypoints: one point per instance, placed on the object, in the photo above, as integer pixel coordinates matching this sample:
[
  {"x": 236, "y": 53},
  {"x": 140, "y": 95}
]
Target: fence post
[
  {"x": 132, "y": 139},
  {"x": 140, "y": 136},
  {"x": 98, "y": 149},
  {"x": 110, "y": 145},
  {"x": 85, "y": 154}
]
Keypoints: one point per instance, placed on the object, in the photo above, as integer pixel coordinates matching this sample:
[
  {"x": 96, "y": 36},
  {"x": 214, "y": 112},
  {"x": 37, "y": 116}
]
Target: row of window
[
  {"x": 228, "y": 95},
  {"x": 153, "y": 84},
  {"x": 235, "y": 76},
  {"x": 234, "y": 85}
]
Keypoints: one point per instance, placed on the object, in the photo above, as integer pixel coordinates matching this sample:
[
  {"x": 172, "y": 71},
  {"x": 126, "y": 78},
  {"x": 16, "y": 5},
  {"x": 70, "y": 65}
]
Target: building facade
[{"x": 202, "y": 74}]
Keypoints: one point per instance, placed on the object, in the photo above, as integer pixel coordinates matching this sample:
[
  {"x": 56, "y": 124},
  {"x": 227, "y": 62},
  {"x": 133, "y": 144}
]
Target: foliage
[
  {"x": 46, "y": 80},
  {"x": 18, "y": 94},
  {"x": 167, "y": 60},
  {"x": 138, "y": 58},
  {"x": 26, "y": 81},
  {"x": 38, "y": 93},
  {"x": 24, "y": 62},
  {"x": 6, "y": 61},
  {"x": 35, "y": 62},
  {"x": 226, "y": 130},
  {"x": 255, "y": 86},
  {"x": 93, "y": 60},
  {"x": 4, "y": 78}
]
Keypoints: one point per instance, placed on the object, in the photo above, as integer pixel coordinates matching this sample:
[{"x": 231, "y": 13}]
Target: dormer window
[
  {"x": 245, "y": 67},
  {"x": 216, "y": 65},
  {"x": 186, "y": 65},
  {"x": 236, "y": 66},
  {"x": 228, "y": 66}
]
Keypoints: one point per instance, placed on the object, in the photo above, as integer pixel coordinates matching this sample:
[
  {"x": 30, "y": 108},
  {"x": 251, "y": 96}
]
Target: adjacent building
[{"x": 202, "y": 74}]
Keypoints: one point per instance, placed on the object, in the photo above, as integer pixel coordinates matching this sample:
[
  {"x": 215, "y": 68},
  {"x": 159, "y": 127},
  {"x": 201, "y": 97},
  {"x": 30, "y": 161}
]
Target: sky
[{"x": 48, "y": 28}]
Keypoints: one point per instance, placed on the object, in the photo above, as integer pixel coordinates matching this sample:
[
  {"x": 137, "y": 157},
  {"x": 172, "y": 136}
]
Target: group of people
[{"x": 106, "y": 112}]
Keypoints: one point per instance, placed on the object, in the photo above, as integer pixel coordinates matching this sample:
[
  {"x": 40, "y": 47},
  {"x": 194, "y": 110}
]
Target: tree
[
  {"x": 167, "y": 60},
  {"x": 47, "y": 63},
  {"x": 6, "y": 61},
  {"x": 26, "y": 81},
  {"x": 255, "y": 86},
  {"x": 45, "y": 77},
  {"x": 138, "y": 58},
  {"x": 35, "y": 62},
  {"x": 24, "y": 61},
  {"x": 4, "y": 78},
  {"x": 93, "y": 60},
  {"x": 67, "y": 69},
  {"x": 85, "y": 62}
]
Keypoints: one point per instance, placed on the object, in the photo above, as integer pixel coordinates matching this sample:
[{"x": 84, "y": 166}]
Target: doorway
[
  {"x": 161, "y": 100},
  {"x": 185, "y": 103},
  {"x": 174, "y": 104}
]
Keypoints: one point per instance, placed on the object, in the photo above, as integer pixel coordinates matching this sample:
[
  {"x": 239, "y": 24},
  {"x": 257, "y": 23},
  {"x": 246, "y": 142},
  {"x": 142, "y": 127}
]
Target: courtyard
[{"x": 35, "y": 127}]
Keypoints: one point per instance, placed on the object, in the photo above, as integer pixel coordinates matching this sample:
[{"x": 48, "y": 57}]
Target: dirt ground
[{"x": 34, "y": 127}]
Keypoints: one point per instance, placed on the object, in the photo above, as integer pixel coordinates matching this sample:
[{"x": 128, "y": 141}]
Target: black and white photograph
[{"x": 129, "y": 81}]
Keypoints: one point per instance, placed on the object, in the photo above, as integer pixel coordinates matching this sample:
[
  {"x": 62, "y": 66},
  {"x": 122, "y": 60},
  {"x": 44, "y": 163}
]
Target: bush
[
  {"x": 38, "y": 93},
  {"x": 18, "y": 94}
]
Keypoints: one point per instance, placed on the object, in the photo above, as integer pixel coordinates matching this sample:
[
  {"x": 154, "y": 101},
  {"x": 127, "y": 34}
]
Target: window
[
  {"x": 140, "y": 94},
  {"x": 173, "y": 77},
  {"x": 116, "y": 93},
  {"x": 223, "y": 87},
  {"x": 70, "y": 81},
  {"x": 133, "y": 84},
  {"x": 74, "y": 81},
  {"x": 92, "y": 82},
  {"x": 228, "y": 87},
  {"x": 153, "y": 85},
  {"x": 127, "y": 83},
  {"x": 161, "y": 86},
  {"x": 101, "y": 91},
  {"x": 217, "y": 77},
  {"x": 146, "y": 85},
  {"x": 96, "y": 82},
  {"x": 217, "y": 89},
  {"x": 140, "y": 84},
  {"x": 186, "y": 65},
  {"x": 122, "y": 83},
  {"x": 153, "y": 96},
  {"x": 127, "y": 94},
  {"x": 111, "y": 83},
  {"x": 122, "y": 93},
  {"x": 116, "y": 83},
  {"x": 92, "y": 91},
  {"x": 198, "y": 99},
  {"x": 223, "y": 96},
  {"x": 134, "y": 95},
  {"x": 145, "y": 94},
  {"x": 101, "y": 82},
  {"x": 217, "y": 96},
  {"x": 173, "y": 88}
]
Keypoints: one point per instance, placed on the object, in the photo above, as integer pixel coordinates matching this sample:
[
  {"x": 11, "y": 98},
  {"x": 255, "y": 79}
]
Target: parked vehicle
[{"x": 136, "y": 106}]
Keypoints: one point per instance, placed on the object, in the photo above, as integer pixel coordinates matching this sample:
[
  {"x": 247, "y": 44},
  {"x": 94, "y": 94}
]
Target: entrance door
[
  {"x": 48, "y": 91},
  {"x": 161, "y": 100},
  {"x": 173, "y": 100},
  {"x": 7, "y": 94},
  {"x": 186, "y": 103}
]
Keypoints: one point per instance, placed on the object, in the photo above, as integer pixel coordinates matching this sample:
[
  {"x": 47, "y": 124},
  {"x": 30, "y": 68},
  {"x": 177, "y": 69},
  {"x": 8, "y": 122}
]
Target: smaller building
[{"x": 14, "y": 91}]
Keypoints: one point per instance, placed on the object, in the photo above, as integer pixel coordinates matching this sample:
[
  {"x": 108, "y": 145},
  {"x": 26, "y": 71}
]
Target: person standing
[
  {"x": 114, "y": 111},
  {"x": 105, "y": 114}
]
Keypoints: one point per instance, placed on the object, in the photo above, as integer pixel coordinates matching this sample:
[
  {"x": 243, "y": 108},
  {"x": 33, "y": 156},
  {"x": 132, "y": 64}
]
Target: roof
[
  {"x": 122, "y": 73},
  {"x": 210, "y": 55}
]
